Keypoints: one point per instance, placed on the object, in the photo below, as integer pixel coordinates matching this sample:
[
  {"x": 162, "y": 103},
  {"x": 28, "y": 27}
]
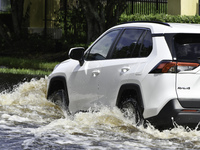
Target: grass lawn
[{"x": 25, "y": 66}]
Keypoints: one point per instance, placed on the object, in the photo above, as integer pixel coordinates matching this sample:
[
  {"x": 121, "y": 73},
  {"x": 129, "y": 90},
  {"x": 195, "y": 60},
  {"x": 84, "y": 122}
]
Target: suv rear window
[{"x": 187, "y": 47}]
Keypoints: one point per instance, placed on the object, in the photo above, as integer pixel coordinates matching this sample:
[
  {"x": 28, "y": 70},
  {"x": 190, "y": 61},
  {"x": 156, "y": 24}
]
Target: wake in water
[
  {"x": 25, "y": 113},
  {"x": 27, "y": 103}
]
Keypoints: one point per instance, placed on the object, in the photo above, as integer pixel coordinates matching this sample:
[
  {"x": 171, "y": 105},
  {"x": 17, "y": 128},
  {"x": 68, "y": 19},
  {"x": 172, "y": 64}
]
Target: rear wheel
[{"x": 131, "y": 110}]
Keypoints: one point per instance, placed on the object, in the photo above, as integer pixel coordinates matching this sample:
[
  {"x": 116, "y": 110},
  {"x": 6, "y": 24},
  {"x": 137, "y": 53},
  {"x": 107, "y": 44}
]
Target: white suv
[{"x": 150, "y": 70}]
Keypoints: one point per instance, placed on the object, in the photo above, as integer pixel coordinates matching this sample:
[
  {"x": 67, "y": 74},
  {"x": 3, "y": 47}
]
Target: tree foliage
[{"x": 7, "y": 33}]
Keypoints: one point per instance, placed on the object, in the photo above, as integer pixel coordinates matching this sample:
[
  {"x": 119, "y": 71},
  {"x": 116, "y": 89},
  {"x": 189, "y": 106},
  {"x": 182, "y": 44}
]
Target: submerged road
[{"x": 28, "y": 121}]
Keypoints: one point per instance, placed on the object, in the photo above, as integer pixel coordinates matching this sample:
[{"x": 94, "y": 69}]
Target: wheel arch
[
  {"x": 134, "y": 89},
  {"x": 57, "y": 83}
]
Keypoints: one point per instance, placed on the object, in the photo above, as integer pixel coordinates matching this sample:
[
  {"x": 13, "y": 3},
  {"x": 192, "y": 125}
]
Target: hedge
[{"x": 160, "y": 17}]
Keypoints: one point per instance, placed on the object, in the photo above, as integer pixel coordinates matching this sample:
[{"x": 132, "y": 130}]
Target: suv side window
[
  {"x": 144, "y": 46},
  {"x": 100, "y": 50},
  {"x": 127, "y": 43}
]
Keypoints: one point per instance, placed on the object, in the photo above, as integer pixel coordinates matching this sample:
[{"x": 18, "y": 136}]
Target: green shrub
[{"x": 160, "y": 17}]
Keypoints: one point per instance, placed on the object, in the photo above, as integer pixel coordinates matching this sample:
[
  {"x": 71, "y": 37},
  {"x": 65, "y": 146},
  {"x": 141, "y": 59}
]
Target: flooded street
[{"x": 28, "y": 121}]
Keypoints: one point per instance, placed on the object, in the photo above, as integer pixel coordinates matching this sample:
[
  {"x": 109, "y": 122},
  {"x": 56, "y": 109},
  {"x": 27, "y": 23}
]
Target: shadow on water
[{"x": 8, "y": 81}]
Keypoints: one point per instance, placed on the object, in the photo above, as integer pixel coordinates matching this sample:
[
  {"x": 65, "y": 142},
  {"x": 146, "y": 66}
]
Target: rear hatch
[{"x": 187, "y": 52}]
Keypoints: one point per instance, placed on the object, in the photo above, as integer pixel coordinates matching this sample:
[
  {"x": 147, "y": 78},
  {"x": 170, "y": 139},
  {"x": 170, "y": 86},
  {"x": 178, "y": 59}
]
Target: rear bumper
[{"x": 173, "y": 111}]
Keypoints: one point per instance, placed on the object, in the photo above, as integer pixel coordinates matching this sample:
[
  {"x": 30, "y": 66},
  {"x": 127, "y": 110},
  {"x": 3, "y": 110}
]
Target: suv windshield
[{"x": 187, "y": 47}]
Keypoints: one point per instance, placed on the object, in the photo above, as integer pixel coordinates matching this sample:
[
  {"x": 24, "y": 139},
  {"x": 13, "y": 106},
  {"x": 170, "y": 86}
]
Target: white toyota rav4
[{"x": 150, "y": 70}]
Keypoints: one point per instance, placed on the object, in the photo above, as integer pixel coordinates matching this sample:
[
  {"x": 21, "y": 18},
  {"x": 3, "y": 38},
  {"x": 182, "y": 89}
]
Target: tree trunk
[
  {"x": 5, "y": 33},
  {"x": 114, "y": 9},
  {"x": 101, "y": 15},
  {"x": 17, "y": 7},
  {"x": 95, "y": 16}
]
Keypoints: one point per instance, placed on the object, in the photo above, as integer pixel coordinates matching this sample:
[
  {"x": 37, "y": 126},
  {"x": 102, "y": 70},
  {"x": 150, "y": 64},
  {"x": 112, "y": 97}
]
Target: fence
[{"x": 146, "y": 6}]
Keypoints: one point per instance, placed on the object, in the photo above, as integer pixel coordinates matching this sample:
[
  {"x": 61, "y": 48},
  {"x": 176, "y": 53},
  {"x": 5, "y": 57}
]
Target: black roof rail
[{"x": 158, "y": 22}]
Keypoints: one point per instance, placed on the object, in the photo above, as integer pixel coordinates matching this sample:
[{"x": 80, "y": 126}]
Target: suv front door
[{"x": 84, "y": 80}]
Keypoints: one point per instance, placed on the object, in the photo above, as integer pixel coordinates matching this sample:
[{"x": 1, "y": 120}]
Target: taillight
[
  {"x": 186, "y": 66},
  {"x": 173, "y": 67}
]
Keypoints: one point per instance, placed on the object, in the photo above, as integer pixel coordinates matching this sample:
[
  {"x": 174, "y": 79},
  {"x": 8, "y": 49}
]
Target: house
[
  {"x": 183, "y": 7},
  {"x": 42, "y": 17}
]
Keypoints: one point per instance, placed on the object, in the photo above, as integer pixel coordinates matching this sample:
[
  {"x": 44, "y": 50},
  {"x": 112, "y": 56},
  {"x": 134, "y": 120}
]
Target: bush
[{"x": 160, "y": 17}]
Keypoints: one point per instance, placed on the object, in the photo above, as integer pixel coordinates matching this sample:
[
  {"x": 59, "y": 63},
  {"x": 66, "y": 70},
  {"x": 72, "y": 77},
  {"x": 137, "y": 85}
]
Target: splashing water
[{"x": 29, "y": 121}]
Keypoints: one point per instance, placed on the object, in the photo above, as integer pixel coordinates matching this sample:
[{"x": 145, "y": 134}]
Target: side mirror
[{"x": 77, "y": 53}]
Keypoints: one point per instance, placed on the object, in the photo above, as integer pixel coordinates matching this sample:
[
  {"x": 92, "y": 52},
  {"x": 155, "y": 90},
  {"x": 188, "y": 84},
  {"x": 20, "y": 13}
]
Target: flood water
[{"x": 28, "y": 121}]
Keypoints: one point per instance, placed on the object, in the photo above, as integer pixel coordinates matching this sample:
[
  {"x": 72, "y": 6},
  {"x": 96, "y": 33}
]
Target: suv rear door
[
  {"x": 187, "y": 47},
  {"x": 127, "y": 60}
]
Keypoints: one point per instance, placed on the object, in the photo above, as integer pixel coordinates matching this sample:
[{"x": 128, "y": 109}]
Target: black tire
[
  {"x": 60, "y": 98},
  {"x": 132, "y": 111}
]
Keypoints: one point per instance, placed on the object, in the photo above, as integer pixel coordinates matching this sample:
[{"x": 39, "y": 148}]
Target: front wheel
[
  {"x": 59, "y": 97},
  {"x": 131, "y": 110}
]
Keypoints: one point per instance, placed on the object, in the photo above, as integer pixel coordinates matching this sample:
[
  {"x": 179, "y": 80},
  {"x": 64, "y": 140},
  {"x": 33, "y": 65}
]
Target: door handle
[
  {"x": 125, "y": 69},
  {"x": 95, "y": 73}
]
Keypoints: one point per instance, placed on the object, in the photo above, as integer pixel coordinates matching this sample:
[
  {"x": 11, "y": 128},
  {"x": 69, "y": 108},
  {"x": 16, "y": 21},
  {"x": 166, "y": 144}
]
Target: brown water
[{"x": 29, "y": 121}]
